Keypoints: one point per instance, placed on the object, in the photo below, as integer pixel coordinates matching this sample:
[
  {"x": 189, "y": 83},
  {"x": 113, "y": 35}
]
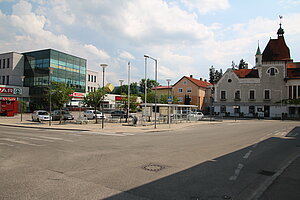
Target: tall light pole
[
  {"x": 103, "y": 72},
  {"x": 169, "y": 117},
  {"x": 121, "y": 84},
  {"x": 128, "y": 98},
  {"x": 49, "y": 83},
  {"x": 145, "y": 109},
  {"x": 155, "y": 104},
  {"x": 22, "y": 79}
]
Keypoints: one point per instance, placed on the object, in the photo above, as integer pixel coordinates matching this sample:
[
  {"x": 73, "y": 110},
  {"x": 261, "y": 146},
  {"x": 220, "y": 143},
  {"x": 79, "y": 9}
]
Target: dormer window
[{"x": 272, "y": 71}]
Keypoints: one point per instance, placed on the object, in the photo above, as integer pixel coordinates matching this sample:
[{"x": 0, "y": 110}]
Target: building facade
[
  {"x": 92, "y": 80},
  {"x": 264, "y": 90},
  {"x": 191, "y": 91}
]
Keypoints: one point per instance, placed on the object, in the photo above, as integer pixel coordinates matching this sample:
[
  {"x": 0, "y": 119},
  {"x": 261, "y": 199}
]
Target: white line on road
[
  {"x": 246, "y": 156},
  {"x": 54, "y": 138},
  {"x": 236, "y": 172},
  {"x": 10, "y": 145},
  {"x": 38, "y": 139},
  {"x": 108, "y": 134},
  {"x": 19, "y": 141}
]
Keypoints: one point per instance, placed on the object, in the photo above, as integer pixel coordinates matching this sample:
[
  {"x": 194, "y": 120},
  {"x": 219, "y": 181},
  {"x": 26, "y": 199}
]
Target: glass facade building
[{"x": 45, "y": 66}]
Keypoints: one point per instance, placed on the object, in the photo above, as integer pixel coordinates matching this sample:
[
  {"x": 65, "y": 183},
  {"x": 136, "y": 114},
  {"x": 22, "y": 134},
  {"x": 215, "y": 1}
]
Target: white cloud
[
  {"x": 126, "y": 55},
  {"x": 206, "y": 6}
]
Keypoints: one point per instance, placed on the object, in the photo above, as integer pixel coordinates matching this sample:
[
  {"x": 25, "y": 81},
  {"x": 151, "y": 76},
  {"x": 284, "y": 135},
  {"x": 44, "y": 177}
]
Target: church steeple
[
  {"x": 280, "y": 31},
  {"x": 258, "y": 56}
]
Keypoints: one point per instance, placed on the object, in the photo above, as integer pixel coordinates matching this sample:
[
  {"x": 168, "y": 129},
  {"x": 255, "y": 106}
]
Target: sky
[{"x": 186, "y": 37}]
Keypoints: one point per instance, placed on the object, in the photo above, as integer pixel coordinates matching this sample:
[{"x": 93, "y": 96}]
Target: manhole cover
[
  {"x": 153, "y": 167},
  {"x": 266, "y": 173}
]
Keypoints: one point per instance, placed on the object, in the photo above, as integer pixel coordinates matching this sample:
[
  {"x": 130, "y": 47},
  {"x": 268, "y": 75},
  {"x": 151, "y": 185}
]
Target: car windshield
[{"x": 43, "y": 113}]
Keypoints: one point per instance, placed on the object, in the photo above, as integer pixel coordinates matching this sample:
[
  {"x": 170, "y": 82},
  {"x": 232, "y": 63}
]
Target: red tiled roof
[
  {"x": 293, "y": 70},
  {"x": 198, "y": 82},
  {"x": 162, "y": 87},
  {"x": 276, "y": 49},
  {"x": 247, "y": 73}
]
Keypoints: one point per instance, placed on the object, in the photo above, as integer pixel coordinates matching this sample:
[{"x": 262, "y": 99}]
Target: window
[
  {"x": 290, "y": 92},
  {"x": 294, "y": 91},
  {"x": 7, "y": 62},
  {"x": 267, "y": 94},
  {"x": 92, "y": 78},
  {"x": 7, "y": 80},
  {"x": 95, "y": 79},
  {"x": 237, "y": 95},
  {"x": 3, "y": 63},
  {"x": 184, "y": 82},
  {"x": 180, "y": 90},
  {"x": 89, "y": 79},
  {"x": 252, "y": 95},
  {"x": 237, "y": 109},
  {"x": 189, "y": 90},
  {"x": 223, "y": 95},
  {"x": 0, "y": 63},
  {"x": 3, "y": 80},
  {"x": 180, "y": 99},
  {"x": 229, "y": 80},
  {"x": 223, "y": 109},
  {"x": 88, "y": 88},
  {"x": 252, "y": 109},
  {"x": 272, "y": 71}
]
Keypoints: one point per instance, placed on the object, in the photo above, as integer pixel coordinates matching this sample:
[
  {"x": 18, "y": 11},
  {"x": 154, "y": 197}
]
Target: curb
[{"x": 269, "y": 182}]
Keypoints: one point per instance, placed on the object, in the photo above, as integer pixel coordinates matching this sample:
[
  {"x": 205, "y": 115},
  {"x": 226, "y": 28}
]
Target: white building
[{"x": 260, "y": 91}]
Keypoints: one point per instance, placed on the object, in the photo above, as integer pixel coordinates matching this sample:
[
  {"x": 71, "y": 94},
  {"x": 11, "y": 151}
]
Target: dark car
[
  {"x": 119, "y": 114},
  {"x": 65, "y": 115}
]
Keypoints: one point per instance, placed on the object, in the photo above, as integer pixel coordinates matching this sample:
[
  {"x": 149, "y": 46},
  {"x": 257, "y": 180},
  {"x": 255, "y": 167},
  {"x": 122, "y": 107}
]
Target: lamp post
[
  {"x": 145, "y": 109},
  {"x": 155, "y": 103},
  {"x": 22, "y": 78},
  {"x": 103, "y": 72},
  {"x": 169, "y": 117},
  {"x": 121, "y": 84},
  {"x": 49, "y": 83},
  {"x": 128, "y": 98}
]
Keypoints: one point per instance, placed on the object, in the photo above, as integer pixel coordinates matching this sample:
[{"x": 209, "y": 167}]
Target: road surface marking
[
  {"x": 246, "y": 156},
  {"x": 38, "y": 139},
  {"x": 236, "y": 172},
  {"x": 54, "y": 138},
  {"x": 10, "y": 145},
  {"x": 19, "y": 141},
  {"x": 108, "y": 134}
]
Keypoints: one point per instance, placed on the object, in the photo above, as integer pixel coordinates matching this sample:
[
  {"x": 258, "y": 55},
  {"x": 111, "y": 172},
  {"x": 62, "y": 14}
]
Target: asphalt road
[{"x": 212, "y": 161}]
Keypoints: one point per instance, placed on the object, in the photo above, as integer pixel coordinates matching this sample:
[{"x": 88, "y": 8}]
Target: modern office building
[{"x": 40, "y": 68}]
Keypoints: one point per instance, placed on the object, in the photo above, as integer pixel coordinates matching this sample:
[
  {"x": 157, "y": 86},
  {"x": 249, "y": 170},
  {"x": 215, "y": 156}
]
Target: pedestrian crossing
[{"x": 39, "y": 140}]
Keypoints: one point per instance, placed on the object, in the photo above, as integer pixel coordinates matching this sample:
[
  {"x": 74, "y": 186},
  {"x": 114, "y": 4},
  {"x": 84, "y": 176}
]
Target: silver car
[
  {"x": 90, "y": 114},
  {"x": 40, "y": 115}
]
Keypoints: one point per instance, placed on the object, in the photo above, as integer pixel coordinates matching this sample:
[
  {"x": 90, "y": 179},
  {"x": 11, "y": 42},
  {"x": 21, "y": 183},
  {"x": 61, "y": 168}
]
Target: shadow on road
[{"x": 236, "y": 175}]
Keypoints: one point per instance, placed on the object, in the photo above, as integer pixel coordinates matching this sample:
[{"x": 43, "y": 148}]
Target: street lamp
[
  {"x": 22, "y": 78},
  {"x": 155, "y": 104},
  {"x": 121, "y": 84},
  {"x": 169, "y": 118},
  {"x": 128, "y": 90},
  {"x": 103, "y": 72},
  {"x": 49, "y": 83}
]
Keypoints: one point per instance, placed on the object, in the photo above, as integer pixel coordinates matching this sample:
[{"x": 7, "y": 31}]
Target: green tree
[
  {"x": 94, "y": 99},
  {"x": 214, "y": 75},
  {"x": 60, "y": 95},
  {"x": 150, "y": 84},
  {"x": 150, "y": 97}
]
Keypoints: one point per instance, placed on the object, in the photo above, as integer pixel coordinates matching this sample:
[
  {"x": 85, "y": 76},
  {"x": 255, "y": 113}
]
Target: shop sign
[
  {"x": 118, "y": 98},
  {"x": 77, "y": 95},
  {"x": 9, "y": 98},
  {"x": 5, "y": 90}
]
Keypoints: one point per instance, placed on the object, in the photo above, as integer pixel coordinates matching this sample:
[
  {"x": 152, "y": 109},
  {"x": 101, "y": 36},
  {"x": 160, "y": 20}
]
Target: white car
[
  {"x": 90, "y": 114},
  {"x": 40, "y": 115},
  {"x": 195, "y": 115}
]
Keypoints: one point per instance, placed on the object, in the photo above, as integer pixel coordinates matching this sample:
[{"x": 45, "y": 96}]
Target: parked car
[
  {"x": 64, "y": 113},
  {"x": 195, "y": 115},
  {"x": 120, "y": 114},
  {"x": 90, "y": 114},
  {"x": 40, "y": 115}
]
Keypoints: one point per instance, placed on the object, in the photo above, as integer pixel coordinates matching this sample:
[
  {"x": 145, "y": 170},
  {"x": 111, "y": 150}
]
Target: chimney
[
  {"x": 200, "y": 79},
  {"x": 191, "y": 76},
  {"x": 205, "y": 80}
]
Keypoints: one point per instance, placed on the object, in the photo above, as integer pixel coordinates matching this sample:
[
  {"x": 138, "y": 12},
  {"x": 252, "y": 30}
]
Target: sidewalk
[
  {"x": 286, "y": 185},
  {"x": 113, "y": 127}
]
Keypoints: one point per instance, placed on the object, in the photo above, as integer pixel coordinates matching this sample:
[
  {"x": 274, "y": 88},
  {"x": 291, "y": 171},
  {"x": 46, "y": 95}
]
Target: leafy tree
[
  {"x": 150, "y": 97},
  {"x": 134, "y": 88},
  {"x": 94, "y": 99},
  {"x": 133, "y": 102},
  {"x": 214, "y": 75},
  {"x": 150, "y": 84},
  {"x": 243, "y": 64},
  {"x": 60, "y": 95}
]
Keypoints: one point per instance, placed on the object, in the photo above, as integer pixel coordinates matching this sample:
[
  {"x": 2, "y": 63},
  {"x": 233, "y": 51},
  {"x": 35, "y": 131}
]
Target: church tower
[{"x": 258, "y": 57}]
